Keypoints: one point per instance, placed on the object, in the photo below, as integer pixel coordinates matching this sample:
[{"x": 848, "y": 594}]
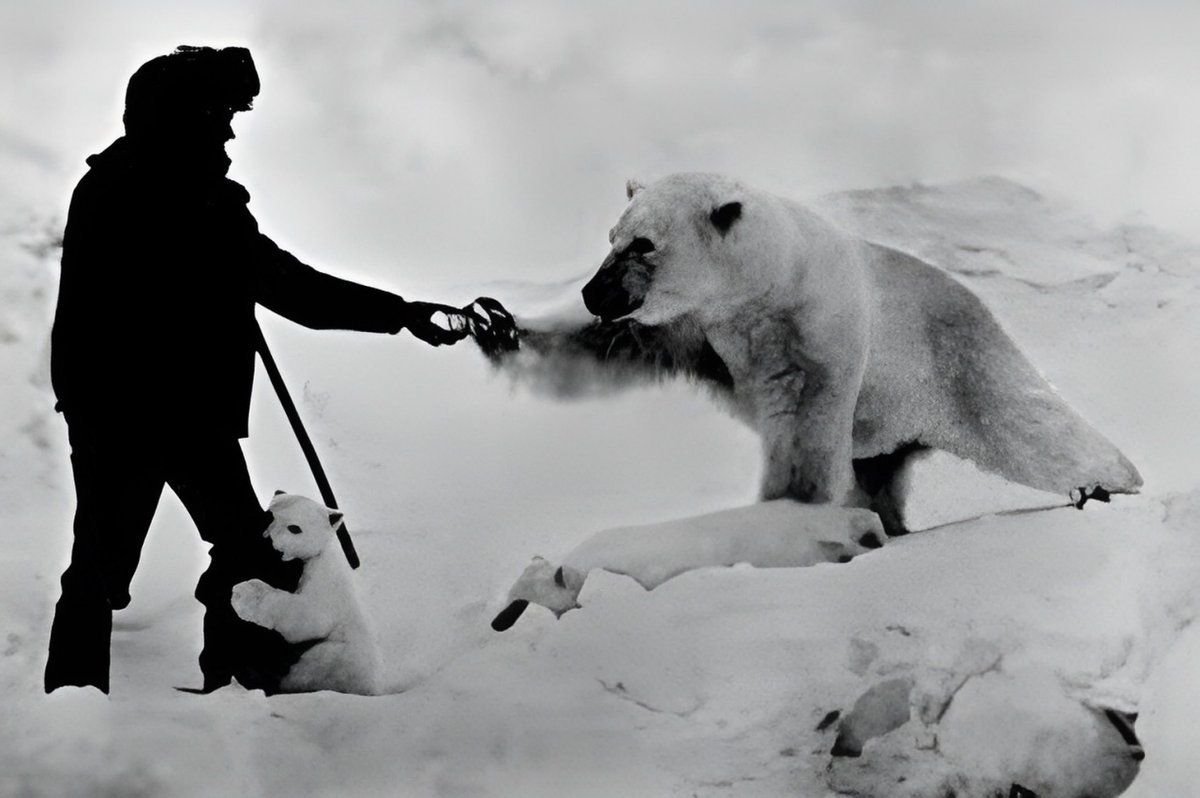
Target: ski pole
[{"x": 306, "y": 445}]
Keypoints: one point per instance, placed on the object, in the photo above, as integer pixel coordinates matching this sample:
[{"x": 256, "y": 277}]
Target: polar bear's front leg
[
  {"x": 292, "y": 615},
  {"x": 805, "y": 413},
  {"x": 806, "y": 447},
  {"x": 797, "y": 383}
]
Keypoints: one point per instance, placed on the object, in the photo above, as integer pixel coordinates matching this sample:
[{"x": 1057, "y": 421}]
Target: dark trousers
[{"x": 118, "y": 483}]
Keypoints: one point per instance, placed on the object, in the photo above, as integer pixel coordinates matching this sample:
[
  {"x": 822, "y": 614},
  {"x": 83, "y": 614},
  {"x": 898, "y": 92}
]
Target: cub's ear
[
  {"x": 724, "y": 216},
  {"x": 335, "y": 518},
  {"x": 632, "y": 186},
  {"x": 281, "y": 493}
]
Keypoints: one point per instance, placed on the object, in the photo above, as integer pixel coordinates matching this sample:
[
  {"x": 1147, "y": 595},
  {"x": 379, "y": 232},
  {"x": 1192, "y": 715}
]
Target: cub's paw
[
  {"x": 867, "y": 529},
  {"x": 247, "y": 599},
  {"x": 863, "y": 532}
]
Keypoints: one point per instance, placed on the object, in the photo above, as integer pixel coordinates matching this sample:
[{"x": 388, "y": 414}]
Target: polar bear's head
[
  {"x": 300, "y": 528},
  {"x": 694, "y": 245},
  {"x": 555, "y": 588}
]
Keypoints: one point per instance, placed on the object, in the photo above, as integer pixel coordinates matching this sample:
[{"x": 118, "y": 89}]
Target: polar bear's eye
[
  {"x": 640, "y": 246},
  {"x": 295, "y": 530}
]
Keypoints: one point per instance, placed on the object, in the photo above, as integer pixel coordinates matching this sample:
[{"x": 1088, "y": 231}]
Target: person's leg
[
  {"x": 214, "y": 486},
  {"x": 117, "y": 489}
]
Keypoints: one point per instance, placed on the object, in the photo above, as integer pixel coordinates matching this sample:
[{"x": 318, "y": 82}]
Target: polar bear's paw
[
  {"x": 1081, "y": 496},
  {"x": 863, "y": 531},
  {"x": 867, "y": 530},
  {"x": 247, "y": 599},
  {"x": 836, "y": 551}
]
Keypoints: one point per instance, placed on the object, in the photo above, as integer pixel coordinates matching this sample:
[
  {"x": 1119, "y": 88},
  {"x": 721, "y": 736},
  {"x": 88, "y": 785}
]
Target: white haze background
[
  {"x": 409, "y": 140},
  {"x": 432, "y": 147}
]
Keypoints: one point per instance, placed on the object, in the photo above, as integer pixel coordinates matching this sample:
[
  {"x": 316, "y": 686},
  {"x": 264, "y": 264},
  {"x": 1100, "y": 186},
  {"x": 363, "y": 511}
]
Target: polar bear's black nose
[{"x": 605, "y": 294}]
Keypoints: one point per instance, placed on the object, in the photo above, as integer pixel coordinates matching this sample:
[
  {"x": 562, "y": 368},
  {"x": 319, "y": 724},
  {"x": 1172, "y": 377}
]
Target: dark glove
[
  {"x": 436, "y": 324},
  {"x": 492, "y": 327}
]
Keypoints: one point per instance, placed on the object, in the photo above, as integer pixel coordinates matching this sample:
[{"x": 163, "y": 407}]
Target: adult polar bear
[{"x": 845, "y": 356}]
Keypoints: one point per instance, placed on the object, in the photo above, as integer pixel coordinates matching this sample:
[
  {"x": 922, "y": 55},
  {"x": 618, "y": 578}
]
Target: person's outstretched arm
[{"x": 321, "y": 301}]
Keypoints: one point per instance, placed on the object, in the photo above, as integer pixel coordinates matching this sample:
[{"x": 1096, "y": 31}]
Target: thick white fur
[
  {"x": 833, "y": 349},
  {"x": 777, "y": 534},
  {"x": 324, "y": 612},
  {"x": 837, "y": 349}
]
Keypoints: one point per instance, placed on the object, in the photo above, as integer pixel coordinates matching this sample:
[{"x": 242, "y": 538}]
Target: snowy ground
[{"x": 1005, "y": 637}]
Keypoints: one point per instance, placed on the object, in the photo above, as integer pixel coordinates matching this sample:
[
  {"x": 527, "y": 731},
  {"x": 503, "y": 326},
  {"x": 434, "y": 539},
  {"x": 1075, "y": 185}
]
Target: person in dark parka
[{"x": 152, "y": 359}]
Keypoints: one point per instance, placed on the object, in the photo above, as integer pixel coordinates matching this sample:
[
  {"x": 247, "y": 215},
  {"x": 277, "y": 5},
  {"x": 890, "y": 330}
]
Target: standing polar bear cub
[{"x": 323, "y": 618}]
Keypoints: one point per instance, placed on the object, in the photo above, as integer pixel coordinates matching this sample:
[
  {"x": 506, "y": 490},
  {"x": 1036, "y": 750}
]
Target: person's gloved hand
[{"x": 436, "y": 324}]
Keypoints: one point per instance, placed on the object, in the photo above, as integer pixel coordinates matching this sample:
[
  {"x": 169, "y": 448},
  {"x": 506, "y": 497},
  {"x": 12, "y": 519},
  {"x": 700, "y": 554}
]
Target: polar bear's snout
[{"x": 619, "y": 287}]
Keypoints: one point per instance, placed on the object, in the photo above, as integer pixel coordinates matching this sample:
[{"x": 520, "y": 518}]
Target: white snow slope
[{"x": 992, "y": 645}]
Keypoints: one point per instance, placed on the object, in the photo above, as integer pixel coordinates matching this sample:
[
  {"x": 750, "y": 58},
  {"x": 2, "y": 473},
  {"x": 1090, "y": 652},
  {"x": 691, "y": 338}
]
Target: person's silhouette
[{"x": 152, "y": 358}]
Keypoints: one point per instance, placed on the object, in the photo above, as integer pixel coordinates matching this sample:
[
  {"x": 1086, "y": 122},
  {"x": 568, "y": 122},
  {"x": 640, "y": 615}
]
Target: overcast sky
[{"x": 403, "y": 141}]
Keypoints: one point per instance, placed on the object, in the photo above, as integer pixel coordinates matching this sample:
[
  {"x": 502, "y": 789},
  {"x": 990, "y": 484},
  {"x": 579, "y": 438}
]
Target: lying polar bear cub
[
  {"x": 774, "y": 534},
  {"x": 323, "y": 618}
]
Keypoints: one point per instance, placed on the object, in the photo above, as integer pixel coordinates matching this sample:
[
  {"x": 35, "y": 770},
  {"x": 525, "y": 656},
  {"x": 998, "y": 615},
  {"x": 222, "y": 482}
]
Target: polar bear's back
[{"x": 942, "y": 373}]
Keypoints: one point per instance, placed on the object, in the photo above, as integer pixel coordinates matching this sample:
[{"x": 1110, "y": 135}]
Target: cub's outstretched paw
[{"x": 247, "y": 599}]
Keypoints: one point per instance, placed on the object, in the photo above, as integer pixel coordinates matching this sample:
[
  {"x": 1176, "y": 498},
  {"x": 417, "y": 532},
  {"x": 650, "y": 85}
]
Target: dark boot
[{"x": 79, "y": 644}]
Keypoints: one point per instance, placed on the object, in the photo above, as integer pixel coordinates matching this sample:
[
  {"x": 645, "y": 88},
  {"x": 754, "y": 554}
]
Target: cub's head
[
  {"x": 555, "y": 588},
  {"x": 300, "y": 528},
  {"x": 679, "y": 249}
]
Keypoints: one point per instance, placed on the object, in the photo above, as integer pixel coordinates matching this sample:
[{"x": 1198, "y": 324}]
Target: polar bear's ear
[
  {"x": 335, "y": 518},
  {"x": 724, "y": 216},
  {"x": 632, "y": 186}
]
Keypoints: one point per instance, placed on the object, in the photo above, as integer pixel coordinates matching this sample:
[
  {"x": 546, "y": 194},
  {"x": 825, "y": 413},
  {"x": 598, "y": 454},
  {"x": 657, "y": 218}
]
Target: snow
[{"x": 1016, "y": 630}]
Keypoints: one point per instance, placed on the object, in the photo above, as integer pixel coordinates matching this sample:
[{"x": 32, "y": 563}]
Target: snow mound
[{"x": 999, "y": 733}]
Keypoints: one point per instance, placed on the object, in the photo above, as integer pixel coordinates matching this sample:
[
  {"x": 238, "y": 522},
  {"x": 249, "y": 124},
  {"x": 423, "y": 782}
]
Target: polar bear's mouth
[{"x": 619, "y": 287}]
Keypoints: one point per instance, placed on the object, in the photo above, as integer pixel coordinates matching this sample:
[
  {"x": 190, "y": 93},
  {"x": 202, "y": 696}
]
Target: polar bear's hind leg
[{"x": 1006, "y": 418}]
